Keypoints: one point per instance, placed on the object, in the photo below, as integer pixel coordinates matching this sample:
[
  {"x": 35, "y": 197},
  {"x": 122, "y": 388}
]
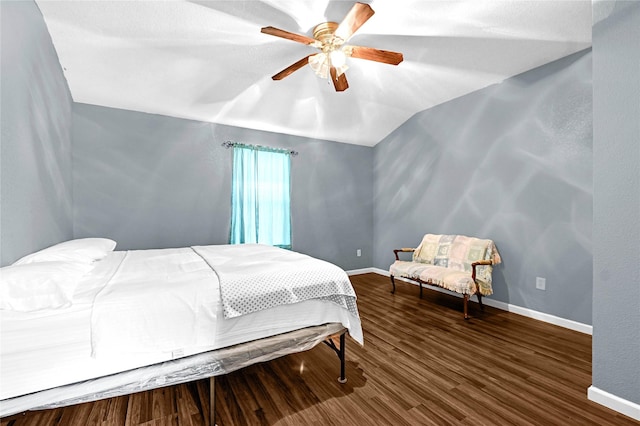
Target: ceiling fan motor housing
[{"x": 325, "y": 34}]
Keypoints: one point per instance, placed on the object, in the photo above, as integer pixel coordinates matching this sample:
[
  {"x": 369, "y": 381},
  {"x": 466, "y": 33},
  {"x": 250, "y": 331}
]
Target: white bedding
[{"x": 45, "y": 349}]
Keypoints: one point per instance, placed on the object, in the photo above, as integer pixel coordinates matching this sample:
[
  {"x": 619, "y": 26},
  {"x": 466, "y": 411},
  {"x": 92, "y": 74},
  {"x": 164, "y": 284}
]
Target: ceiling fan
[{"x": 330, "y": 39}]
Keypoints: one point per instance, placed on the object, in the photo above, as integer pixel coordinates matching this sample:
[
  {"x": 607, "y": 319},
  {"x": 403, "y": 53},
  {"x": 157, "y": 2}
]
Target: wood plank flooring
[{"x": 421, "y": 364}]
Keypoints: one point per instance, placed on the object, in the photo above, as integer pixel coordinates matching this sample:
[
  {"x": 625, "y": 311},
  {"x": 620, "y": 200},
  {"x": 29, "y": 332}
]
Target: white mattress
[{"x": 47, "y": 349}]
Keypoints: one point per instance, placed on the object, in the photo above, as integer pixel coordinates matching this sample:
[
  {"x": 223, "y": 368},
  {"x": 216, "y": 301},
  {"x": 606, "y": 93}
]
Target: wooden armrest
[
  {"x": 482, "y": 262},
  {"x": 479, "y": 263},
  {"x": 403, "y": 250}
]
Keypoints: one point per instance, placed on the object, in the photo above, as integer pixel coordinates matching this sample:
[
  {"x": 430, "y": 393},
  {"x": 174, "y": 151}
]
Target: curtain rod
[{"x": 229, "y": 144}]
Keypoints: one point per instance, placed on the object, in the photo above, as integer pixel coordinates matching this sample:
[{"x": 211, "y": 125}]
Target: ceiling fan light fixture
[
  {"x": 321, "y": 63},
  {"x": 341, "y": 70},
  {"x": 338, "y": 58}
]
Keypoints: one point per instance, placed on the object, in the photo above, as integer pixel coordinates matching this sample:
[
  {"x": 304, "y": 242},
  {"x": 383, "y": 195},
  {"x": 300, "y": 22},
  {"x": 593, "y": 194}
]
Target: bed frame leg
[
  {"x": 340, "y": 351},
  {"x": 341, "y": 355},
  {"x": 212, "y": 401}
]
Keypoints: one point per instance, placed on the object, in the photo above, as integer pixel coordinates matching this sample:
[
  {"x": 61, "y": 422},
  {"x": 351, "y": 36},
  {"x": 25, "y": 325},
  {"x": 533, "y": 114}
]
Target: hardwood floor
[{"x": 421, "y": 364}]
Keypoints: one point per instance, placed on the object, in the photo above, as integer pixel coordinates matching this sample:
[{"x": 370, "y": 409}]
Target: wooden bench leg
[
  {"x": 466, "y": 302},
  {"x": 480, "y": 302},
  {"x": 393, "y": 283}
]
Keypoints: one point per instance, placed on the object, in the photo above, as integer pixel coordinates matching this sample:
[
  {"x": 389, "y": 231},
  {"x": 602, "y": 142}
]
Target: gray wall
[
  {"x": 616, "y": 206},
  {"x": 150, "y": 181},
  {"x": 35, "y": 152},
  {"x": 511, "y": 162}
]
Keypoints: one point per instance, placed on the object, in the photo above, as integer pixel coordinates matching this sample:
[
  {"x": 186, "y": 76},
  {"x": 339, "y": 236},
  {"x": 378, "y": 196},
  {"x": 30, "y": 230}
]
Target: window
[{"x": 260, "y": 205}]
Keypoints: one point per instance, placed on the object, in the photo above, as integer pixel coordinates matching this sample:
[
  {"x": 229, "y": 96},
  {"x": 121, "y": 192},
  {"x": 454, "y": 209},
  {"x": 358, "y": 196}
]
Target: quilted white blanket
[{"x": 254, "y": 277}]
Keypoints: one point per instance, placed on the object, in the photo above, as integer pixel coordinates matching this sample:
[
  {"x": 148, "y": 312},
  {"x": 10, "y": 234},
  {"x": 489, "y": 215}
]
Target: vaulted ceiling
[{"x": 208, "y": 60}]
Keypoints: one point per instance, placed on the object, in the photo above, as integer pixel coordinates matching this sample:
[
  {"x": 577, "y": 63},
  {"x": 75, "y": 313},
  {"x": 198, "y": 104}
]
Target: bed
[{"x": 106, "y": 323}]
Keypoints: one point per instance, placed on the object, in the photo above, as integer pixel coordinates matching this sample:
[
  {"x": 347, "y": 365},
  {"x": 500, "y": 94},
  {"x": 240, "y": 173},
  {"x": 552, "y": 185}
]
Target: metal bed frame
[{"x": 195, "y": 367}]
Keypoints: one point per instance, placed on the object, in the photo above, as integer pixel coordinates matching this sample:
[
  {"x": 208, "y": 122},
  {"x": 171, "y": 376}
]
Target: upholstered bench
[{"x": 454, "y": 262}]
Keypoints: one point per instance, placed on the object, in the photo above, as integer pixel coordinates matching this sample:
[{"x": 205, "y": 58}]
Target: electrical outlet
[
  {"x": 358, "y": 252},
  {"x": 541, "y": 283}
]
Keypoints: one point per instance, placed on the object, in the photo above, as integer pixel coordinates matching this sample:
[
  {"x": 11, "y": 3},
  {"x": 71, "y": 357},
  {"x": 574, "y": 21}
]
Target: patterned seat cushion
[{"x": 450, "y": 279}]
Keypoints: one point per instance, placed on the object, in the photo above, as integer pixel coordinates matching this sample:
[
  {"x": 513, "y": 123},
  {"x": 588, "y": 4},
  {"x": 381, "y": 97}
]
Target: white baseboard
[
  {"x": 616, "y": 403},
  {"x": 362, "y": 271},
  {"x": 530, "y": 313}
]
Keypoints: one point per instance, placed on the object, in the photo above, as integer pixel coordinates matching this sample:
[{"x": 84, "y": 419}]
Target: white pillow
[
  {"x": 84, "y": 250},
  {"x": 41, "y": 285}
]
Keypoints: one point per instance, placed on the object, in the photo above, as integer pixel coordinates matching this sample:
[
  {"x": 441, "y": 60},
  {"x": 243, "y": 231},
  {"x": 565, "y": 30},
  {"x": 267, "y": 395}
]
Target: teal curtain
[{"x": 260, "y": 201}]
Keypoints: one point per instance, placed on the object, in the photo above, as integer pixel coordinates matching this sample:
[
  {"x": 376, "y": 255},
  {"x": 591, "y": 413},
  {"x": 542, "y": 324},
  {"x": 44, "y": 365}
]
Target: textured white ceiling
[{"x": 208, "y": 60}]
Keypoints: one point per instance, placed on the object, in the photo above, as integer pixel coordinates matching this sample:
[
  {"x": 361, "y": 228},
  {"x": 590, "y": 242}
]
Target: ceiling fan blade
[
  {"x": 371, "y": 54},
  {"x": 339, "y": 81},
  {"x": 286, "y": 34},
  {"x": 292, "y": 68},
  {"x": 358, "y": 15}
]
